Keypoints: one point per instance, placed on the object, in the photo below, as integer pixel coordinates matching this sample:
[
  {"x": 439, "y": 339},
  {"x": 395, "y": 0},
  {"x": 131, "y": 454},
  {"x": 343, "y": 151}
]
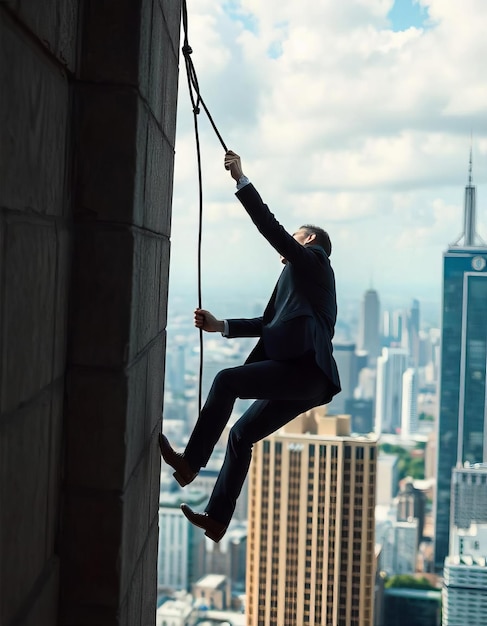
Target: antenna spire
[
  {"x": 469, "y": 236},
  {"x": 470, "y": 165}
]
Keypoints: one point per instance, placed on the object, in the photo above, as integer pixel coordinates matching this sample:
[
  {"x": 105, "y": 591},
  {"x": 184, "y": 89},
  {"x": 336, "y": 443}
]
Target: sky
[{"x": 358, "y": 116}]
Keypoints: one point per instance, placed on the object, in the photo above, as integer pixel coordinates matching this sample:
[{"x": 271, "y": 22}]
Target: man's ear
[{"x": 311, "y": 238}]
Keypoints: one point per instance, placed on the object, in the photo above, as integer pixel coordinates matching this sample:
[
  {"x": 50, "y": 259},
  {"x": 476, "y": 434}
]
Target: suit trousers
[{"x": 281, "y": 389}]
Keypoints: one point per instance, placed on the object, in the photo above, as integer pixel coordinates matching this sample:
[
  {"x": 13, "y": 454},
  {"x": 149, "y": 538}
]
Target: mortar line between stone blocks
[
  {"x": 16, "y": 22},
  {"x": 106, "y": 369},
  {"x": 113, "y": 226},
  {"x": 31, "y": 216},
  {"x": 128, "y": 88},
  {"x": 13, "y": 414}
]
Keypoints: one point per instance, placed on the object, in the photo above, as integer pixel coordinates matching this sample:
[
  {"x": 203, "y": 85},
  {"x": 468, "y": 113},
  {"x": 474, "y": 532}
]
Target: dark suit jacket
[{"x": 301, "y": 314}]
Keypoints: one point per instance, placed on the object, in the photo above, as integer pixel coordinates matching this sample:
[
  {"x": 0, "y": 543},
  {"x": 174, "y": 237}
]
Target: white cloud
[{"x": 340, "y": 121}]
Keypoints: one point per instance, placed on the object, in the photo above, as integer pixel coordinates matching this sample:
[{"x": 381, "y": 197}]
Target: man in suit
[{"x": 290, "y": 370}]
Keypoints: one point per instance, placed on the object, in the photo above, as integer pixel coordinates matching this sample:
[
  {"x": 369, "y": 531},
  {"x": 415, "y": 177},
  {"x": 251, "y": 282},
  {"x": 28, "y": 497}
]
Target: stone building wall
[{"x": 88, "y": 96}]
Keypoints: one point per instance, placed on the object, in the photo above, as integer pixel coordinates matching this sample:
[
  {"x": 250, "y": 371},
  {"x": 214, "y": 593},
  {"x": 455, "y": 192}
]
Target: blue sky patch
[
  {"x": 408, "y": 13},
  {"x": 235, "y": 12}
]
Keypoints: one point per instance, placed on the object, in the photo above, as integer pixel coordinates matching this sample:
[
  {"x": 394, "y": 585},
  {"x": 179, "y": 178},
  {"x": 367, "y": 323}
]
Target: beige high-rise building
[{"x": 310, "y": 557}]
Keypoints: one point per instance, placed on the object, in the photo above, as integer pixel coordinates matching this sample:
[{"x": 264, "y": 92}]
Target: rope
[{"x": 196, "y": 101}]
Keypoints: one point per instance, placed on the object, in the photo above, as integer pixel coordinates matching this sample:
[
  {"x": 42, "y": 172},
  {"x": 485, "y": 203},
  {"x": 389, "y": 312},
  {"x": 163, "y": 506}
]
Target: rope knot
[{"x": 187, "y": 50}]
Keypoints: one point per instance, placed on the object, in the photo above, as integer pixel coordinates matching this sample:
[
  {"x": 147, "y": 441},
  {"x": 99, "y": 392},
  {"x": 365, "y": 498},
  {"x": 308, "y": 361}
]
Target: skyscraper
[
  {"x": 465, "y": 578},
  {"x": 409, "y": 411},
  {"x": 310, "y": 557},
  {"x": 181, "y": 545},
  {"x": 391, "y": 366},
  {"x": 369, "y": 330},
  {"x": 413, "y": 319},
  {"x": 461, "y": 424},
  {"x": 399, "y": 547},
  {"x": 346, "y": 361},
  {"x": 469, "y": 495}
]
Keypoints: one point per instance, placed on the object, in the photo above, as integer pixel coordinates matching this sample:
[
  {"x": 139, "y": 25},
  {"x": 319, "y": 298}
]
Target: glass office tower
[{"x": 461, "y": 426}]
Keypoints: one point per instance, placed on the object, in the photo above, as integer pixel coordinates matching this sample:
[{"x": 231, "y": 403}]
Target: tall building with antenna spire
[{"x": 461, "y": 431}]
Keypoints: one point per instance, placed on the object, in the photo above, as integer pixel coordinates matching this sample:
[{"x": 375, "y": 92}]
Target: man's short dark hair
[{"x": 322, "y": 237}]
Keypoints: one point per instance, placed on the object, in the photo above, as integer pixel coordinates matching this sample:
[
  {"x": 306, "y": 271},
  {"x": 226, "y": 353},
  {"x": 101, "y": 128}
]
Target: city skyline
[{"x": 343, "y": 116}]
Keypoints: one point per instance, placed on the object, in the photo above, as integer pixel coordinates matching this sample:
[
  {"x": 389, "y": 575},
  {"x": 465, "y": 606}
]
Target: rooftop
[{"x": 211, "y": 580}]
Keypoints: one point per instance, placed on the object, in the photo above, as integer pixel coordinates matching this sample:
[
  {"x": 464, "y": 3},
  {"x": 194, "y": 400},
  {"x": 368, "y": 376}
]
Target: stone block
[
  {"x": 111, "y": 131},
  {"x": 34, "y": 110},
  {"x": 136, "y": 507},
  {"x": 169, "y": 101},
  {"x": 155, "y": 385},
  {"x": 27, "y": 333},
  {"x": 54, "y": 23},
  {"x": 109, "y": 424},
  {"x": 137, "y": 417},
  {"x": 147, "y": 287},
  {"x": 62, "y": 286},
  {"x": 163, "y": 300},
  {"x": 24, "y": 485},
  {"x": 96, "y": 437},
  {"x": 102, "y": 299},
  {"x": 100, "y": 526},
  {"x": 163, "y": 83},
  {"x": 124, "y": 614},
  {"x": 158, "y": 59},
  {"x": 144, "y": 39},
  {"x": 55, "y": 463},
  {"x": 154, "y": 486},
  {"x": 119, "y": 305},
  {"x": 91, "y": 556},
  {"x": 149, "y": 569},
  {"x": 172, "y": 19},
  {"x": 135, "y": 596},
  {"x": 145, "y": 34},
  {"x": 117, "y": 22},
  {"x": 158, "y": 181}
]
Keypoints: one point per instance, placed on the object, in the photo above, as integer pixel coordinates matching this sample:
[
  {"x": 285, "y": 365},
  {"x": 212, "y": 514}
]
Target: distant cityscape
[{"x": 371, "y": 511}]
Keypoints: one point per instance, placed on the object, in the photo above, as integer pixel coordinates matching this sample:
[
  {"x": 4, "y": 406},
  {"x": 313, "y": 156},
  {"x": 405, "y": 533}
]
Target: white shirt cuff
[
  {"x": 225, "y": 329},
  {"x": 242, "y": 181}
]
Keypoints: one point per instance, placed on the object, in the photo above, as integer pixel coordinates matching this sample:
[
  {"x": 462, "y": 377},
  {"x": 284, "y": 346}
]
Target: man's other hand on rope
[{"x": 207, "y": 321}]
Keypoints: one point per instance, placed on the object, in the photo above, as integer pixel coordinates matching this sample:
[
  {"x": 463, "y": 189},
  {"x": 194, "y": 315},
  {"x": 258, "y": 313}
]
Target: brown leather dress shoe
[
  {"x": 183, "y": 472},
  {"x": 213, "y": 529}
]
